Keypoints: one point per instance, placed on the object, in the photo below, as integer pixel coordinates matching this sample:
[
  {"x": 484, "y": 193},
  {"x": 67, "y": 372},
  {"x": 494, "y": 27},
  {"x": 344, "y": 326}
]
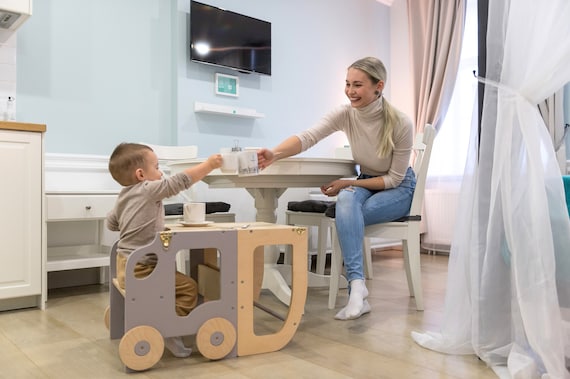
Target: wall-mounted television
[{"x": 223, "y": 38}]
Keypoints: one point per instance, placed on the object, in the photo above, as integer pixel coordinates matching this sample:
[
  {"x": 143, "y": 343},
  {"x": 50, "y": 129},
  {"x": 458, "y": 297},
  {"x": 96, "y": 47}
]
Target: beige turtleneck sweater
[{"x": 362, "y": 127}]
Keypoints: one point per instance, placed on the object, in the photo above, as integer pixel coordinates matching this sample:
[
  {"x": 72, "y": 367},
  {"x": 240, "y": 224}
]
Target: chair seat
[
  {"x": 316, "y": 206},
  {"x": 211, "y": 207},
  {"x": 391, "y": 230}
]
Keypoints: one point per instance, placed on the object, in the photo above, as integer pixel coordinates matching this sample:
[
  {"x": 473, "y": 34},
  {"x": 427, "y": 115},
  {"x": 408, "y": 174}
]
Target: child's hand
[
  {"x": 264, "y": 158},
  {"x": 215, "y": 161}
]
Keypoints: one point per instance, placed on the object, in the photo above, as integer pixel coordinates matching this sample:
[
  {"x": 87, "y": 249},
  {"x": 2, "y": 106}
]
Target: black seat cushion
[
  {"x": 177, "y": 209},
  {"x": 316, "y": 206},
  {"x": 329, "y": 209}
]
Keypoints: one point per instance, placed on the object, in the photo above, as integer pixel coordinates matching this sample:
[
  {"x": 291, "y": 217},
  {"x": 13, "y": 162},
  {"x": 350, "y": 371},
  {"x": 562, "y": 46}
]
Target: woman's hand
[
  {"x": 334, "y": 187},
  {"x": 265, "y": 157}
]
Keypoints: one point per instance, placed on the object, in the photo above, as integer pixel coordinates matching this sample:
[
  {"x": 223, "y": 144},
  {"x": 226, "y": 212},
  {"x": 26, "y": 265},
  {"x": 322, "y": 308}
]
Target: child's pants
[{"x": 186, "y": 291}]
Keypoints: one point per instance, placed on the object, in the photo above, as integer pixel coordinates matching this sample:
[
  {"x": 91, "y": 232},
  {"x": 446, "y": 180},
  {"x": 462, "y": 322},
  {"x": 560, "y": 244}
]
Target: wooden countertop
[{"x": 22, "y": 126}]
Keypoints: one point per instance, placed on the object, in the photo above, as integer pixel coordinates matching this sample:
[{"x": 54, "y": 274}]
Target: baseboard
[
  {"x": 20, "y": 303},
  {"x": 73, "y": 278}
]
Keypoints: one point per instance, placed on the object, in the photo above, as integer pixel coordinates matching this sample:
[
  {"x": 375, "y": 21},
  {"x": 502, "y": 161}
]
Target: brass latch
[
  {"x": 165, "y": 237},
  {"x": 299, "y": 230}
]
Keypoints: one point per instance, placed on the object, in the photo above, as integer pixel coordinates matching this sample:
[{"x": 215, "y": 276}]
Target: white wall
[
  {"x": 99, "y": 73},
  {"x": 114, "y": 83},
  {"x": 313, "y": 43},
  {"x": 399, "y": 78}
]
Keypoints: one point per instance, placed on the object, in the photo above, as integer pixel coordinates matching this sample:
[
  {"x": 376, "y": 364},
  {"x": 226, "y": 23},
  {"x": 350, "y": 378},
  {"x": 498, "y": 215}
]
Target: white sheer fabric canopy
[{"x": 508, "y": 293}]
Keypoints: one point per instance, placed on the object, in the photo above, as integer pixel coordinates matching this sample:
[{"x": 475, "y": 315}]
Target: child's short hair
[{"x": 125, "y": 159}]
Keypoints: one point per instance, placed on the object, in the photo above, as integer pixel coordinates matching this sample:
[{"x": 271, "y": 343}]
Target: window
[{"x": 450, "y": 146}]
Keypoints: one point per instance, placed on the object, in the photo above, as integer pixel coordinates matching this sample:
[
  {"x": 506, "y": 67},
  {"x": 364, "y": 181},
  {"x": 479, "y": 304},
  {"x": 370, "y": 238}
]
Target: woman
[{"x": 381, "y": 139}]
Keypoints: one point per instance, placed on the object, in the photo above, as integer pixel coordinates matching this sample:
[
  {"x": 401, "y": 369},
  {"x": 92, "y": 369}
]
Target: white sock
[
  {"x": 176, "y": 346},
  {"x": 358, "y": 292},
  {"x": 341, "y": 315}
]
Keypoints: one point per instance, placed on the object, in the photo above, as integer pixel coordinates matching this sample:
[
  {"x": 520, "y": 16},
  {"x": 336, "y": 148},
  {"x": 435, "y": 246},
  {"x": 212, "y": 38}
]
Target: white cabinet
[
  {"x": 70, "y": 217},
  {"x": 22, "y": 223},
  {"x": 17, "y": 6},
  {"x": 79, "y": 192},
  {"x": 13, "y": 13}
]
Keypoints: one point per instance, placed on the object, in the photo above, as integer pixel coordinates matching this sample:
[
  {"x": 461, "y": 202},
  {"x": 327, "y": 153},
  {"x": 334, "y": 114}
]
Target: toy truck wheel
[
  {"x": 141, "y": 348},
  {"x": 216, "y": 338},
  {"x": 107, "y": 317}
]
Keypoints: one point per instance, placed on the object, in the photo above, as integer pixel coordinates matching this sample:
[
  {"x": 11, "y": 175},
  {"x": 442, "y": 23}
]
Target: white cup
[
  {"x": 248, "y": 164},
  {"x": 194, "y": 213},
  {"x": 230, "y": 162}
]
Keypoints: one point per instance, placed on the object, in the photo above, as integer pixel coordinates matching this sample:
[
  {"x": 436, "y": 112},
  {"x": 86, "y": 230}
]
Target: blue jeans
[{"x": 357, "y": 207}]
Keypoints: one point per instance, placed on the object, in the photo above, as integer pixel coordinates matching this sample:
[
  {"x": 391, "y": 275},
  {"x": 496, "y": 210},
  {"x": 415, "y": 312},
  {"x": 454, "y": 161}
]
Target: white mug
[
  {"x": 248, "y": 164},
  {"x": 194, "y": 213},
  {"x": 230, "y": 162}
]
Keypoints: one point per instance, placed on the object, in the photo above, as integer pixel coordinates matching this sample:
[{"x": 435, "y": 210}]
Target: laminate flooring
[{"x": 70, "y": 340}]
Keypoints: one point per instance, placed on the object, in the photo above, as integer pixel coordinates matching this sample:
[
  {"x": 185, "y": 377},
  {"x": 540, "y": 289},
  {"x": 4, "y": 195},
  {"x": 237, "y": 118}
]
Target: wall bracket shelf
[{"x": 226, "y": 110}]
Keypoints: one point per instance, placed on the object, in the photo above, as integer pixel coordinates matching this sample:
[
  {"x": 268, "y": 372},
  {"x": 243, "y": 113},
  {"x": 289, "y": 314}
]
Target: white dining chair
[
  {"x": 171, "y": 153},
  {"x": 406, "y": 230}
]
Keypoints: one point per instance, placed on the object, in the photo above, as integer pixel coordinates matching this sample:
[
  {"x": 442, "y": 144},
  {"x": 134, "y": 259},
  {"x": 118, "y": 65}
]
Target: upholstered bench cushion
[
  {"x": 211, "y": 207},
  {"x": 329, "y": 208},
  {"x": 316, "y": 206}
]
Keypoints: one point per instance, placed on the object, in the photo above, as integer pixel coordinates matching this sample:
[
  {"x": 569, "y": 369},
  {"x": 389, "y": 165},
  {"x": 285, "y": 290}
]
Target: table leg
[{"x": 266, "y": 201}]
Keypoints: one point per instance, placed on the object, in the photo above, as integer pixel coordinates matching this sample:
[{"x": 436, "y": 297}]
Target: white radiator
[{"x": 440, "y": 208}]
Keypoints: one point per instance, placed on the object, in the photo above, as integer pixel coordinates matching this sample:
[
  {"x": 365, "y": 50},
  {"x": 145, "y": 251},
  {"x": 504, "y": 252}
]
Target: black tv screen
[{"x": 223, "y": 38}]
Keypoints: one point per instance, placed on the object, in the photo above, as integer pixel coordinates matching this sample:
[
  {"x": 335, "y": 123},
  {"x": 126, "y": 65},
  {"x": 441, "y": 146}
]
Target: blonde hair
[
  {"x": 125, "y": 160},
  {"x": 376, "y": 71}
]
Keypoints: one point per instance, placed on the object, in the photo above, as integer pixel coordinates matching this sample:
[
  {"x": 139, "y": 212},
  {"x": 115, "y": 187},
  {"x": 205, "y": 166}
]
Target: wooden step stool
[{"x": 144, "y": 313}]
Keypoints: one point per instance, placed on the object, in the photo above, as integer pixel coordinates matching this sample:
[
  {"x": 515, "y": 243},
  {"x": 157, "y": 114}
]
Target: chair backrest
[
  {"x": 422, "y": 147},
  {"x": 171, "y": 153}
]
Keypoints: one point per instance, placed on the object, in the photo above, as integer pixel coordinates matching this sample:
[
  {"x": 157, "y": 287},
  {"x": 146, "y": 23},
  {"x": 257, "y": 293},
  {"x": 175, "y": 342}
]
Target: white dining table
[{"x": 266, "y": 188}]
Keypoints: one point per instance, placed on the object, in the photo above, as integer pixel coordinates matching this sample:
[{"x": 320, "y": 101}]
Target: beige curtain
[
  {"x": 552, "y": 112},
  {"x": 436, "y": 33}
]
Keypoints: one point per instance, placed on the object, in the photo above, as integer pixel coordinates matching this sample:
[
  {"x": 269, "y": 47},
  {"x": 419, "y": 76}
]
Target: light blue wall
[
  {"x": 97, "y": 73},
  {"x": 101, "y": 72}
]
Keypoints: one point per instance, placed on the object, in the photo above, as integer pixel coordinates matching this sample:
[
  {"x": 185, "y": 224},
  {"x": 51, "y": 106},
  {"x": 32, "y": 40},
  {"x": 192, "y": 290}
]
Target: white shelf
[
  {"x": 75, "y": 257},
  {"x": 226, "y": 110}
]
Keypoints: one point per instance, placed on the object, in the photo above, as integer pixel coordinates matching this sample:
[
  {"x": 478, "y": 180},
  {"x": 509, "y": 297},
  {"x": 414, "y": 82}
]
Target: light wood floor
[{"x": 69, "y": 339}]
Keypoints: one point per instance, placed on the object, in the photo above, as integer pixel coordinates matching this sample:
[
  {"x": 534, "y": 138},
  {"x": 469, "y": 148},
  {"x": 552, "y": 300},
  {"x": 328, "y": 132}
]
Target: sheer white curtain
[{"x": 508, "y": 293}]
